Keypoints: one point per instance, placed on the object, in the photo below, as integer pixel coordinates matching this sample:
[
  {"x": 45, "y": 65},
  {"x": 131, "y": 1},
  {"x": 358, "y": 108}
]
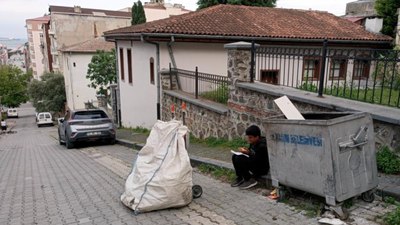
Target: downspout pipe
[
  {"x": 158, "y": 75},
  {"x": 118, "y": 94}
]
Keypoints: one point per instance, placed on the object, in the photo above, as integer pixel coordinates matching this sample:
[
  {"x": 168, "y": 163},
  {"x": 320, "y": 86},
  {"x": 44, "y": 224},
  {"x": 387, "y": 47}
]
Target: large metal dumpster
[{"x": 329, "y": 154}]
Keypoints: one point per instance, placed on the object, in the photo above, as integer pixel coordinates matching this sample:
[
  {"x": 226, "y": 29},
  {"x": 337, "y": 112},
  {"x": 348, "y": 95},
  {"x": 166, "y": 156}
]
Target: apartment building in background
[
  {"x": 36, "y": 45},
  {"x": 73, "y": 25},
  {"x": 363, "y": 12}
]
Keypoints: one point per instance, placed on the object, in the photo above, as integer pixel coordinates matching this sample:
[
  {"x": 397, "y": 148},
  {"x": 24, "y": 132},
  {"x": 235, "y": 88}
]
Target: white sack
[{"x": 162, "y": 175}]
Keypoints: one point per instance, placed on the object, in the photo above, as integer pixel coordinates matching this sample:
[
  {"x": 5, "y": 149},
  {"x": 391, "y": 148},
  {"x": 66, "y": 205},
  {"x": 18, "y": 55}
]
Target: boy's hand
[{"x": 244, "y": 151}]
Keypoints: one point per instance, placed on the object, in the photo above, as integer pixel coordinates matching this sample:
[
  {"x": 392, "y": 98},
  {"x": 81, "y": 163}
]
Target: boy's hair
[{"x": 253, "y": 130}]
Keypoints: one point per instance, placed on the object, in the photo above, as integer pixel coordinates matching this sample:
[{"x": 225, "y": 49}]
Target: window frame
[
  {"x": 342, "y": 68},
  {"x": 269, "y": 71},
  {"x": 316, "y": 70},
  {"x": 122, "y": 64},
  {"x": 129, "y": 59},
  {"x": 152, "y": 71},
  {"x": 365, "y": 69}
]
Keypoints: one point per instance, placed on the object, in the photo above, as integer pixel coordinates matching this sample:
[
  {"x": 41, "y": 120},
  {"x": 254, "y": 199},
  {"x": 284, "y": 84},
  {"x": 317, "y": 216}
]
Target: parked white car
[
  {"x": 12, "y": 113},
  {"x": 44, "y": 118}
]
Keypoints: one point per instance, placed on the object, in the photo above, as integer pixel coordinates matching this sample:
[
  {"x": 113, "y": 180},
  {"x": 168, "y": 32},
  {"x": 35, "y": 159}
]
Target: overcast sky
[{"x": 13, "y": 13}]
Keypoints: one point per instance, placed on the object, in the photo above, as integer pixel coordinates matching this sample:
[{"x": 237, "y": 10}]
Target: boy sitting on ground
[{"x": 254, "y": 162}]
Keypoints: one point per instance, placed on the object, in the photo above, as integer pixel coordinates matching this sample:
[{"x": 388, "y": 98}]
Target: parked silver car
[{"x": 85, "y": 125}]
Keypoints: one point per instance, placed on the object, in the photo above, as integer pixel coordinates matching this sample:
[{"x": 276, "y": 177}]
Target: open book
[{"x": 239, "y": 153}]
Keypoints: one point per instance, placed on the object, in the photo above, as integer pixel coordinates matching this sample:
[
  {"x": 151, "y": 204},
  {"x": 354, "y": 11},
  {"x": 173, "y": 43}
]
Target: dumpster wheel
[
  {"x": 197, "y": 191},
  {"x": 368, "y": 196}
]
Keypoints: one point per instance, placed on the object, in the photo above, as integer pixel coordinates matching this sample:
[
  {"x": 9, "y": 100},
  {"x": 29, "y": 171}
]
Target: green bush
[
  {"x": 308, "y": 86},
  {"x": 220, "y": 142},
  {"x": 388, "y": 162},
  {"x": 393, "y": 218},
  {"x": 219, "y": 95}
]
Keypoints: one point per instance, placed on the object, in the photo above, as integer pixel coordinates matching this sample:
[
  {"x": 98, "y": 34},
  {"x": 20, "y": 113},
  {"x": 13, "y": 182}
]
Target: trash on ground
[{"x": 331, "y": 221}]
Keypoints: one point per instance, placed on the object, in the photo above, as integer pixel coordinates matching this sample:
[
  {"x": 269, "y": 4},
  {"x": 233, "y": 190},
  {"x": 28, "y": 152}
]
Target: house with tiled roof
[
  {"x": 76, "y": 59},
  {"x": 197, "y": 39}
]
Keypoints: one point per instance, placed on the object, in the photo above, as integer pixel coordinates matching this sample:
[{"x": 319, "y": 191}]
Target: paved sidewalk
[{"x": 389, "y": 185}]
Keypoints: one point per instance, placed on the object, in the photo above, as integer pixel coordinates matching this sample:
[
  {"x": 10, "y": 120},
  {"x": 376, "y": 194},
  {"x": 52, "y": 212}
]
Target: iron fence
[
  {"x": 367, "y": 75},
  {"x": 202, "y": 85}
]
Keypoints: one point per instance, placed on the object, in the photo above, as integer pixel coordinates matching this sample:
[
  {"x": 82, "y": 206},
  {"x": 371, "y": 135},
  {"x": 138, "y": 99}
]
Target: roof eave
[{"x": 129, "y": 36}]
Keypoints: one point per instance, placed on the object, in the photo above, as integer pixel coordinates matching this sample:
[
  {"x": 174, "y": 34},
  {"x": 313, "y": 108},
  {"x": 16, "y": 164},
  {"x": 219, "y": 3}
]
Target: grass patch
[
  {"x": 392, "y": 218},
  {"x": 219, "y": 95},
  {"x": 219, "y": 142},
  {"x": 388, "y": 162},
  {"x": 377, "y": 95},
  {"x": 219, "y": 173},
  {"x": 348, "y": 203},
  {"x": 137, "y": 130},
  {"x": 310, "y": 209},
  {"x": 140, "y": 130},
  {"x": 390, "y": 200}
]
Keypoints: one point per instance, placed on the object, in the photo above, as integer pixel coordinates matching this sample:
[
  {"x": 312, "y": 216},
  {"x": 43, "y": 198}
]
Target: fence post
[
  {"x": 252, "y": 62},
  {"x": 196, "y": 85},
  {"x": 170, "y": 77},
  {"x": 322, "y": 69}
]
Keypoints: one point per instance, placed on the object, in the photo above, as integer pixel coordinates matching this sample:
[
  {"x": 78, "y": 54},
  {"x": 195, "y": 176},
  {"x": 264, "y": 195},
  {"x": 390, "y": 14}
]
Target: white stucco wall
[
  {"x": 374, "y": 25},
  {"x": 76, "y": 84},
  {"x": 208, "y": 57},
  {"x": 139, "y": 99}
]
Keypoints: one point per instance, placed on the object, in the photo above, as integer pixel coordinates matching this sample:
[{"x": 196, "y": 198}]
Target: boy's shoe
[
  {"x": 238, "y": 181},
  {"x": 248, "y": 184}
]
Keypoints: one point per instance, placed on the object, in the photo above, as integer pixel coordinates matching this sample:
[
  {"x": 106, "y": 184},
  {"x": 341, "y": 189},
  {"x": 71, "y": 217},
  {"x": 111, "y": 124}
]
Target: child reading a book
[{"x": 253, "y": 162}]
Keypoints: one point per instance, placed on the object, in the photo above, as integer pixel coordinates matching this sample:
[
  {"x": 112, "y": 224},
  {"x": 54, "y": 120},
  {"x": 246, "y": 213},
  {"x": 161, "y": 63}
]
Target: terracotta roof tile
[
  {"x": 90, "y": 46},
  {"x": 87, "y": 11},
  {"x": 246, "y": 21}
]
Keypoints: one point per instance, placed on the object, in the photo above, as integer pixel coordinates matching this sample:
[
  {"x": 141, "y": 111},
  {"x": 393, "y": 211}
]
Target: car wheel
[
  {"x": 38, "y": 125},
  {"x": 112, "y": 141},
  {"x": 68, "y": 143}
]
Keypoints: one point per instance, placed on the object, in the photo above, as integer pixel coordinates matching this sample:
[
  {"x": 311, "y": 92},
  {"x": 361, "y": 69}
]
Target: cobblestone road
[{"x": 42, "y": 182}]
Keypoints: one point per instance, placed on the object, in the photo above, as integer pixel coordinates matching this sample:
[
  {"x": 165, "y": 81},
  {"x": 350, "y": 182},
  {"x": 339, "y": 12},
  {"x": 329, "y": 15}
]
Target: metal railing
[
  {"x": 201, "y": 85},
  {"x": 367, "y": 75}
]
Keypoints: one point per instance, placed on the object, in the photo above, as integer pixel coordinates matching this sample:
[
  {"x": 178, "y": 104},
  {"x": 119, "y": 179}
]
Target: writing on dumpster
[{"x": 299, "y": 139}]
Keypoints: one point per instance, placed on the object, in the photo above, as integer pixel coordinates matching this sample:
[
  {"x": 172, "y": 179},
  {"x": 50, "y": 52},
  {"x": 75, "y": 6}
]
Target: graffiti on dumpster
[{"x": 299, "y": 139}]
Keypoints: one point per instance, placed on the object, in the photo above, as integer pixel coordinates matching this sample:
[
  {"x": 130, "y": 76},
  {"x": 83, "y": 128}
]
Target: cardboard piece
[{"x": 288, "y": 109}]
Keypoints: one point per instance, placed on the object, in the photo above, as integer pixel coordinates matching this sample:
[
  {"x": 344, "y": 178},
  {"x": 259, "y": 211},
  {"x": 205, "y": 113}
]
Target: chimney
[
  {"x": 77, "y": 9},
  {"x": 398, "y": 29}
]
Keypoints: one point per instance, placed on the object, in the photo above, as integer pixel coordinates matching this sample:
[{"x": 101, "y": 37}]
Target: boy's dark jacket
[{"x": 259, "y": 155}]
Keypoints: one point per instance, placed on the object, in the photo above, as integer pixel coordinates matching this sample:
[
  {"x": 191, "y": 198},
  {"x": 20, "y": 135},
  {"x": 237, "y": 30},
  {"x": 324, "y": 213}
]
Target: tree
[
  {"x": 264, "y": 3},
  {"x": 48, "y": 94},
  {"x": 102, "y": 71},
  {"x": 138, "y": 15},
  {"x": 13, "y": 86},
  {"x": 387, "y": 9}
]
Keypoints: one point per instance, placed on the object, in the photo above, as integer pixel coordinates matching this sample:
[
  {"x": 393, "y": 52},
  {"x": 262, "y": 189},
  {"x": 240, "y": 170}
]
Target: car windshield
[
  {"x": 48, "y": 116},
  {"x": 84, "y": 115},
  {"x": 41, "y": 116}
]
